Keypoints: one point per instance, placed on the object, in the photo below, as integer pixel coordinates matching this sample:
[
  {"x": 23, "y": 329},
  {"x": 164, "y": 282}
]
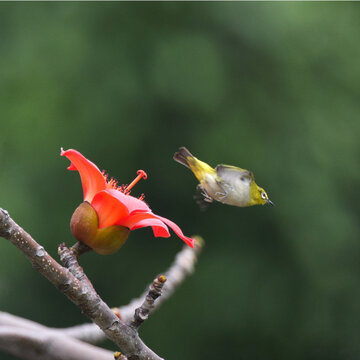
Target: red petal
[
  {"x": 158, "y": 227},
  {"x": 177, "y": 230},
  {"x": 91, "y": 177},
  {"x": 132, "y": 203},
  {"x": 109, "y": 209},
  {"x": 143, "y": 219}
]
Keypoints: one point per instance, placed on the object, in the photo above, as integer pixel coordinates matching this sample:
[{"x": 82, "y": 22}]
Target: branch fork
[{"x": 120, "y": 325}]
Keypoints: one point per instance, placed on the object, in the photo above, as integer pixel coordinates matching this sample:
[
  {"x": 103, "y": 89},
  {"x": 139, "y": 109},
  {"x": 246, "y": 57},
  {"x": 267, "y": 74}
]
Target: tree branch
[
  {"x": 180, "y": 269},
  {"x": 142, "y": 312},
  {"x": 84, "y": 297},
  {"x": 42, "y": 344},
  {"x": 69, "y": 257},
  {"x": 7, "y": 319}
]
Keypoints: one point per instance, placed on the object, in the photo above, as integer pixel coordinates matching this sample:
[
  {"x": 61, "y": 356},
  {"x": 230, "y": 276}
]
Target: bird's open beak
[{"x": 270, "y": 202}]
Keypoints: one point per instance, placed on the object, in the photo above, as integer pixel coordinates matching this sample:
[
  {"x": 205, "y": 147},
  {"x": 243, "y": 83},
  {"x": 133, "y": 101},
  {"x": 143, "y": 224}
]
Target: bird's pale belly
[{"x": 238, "y": 195}]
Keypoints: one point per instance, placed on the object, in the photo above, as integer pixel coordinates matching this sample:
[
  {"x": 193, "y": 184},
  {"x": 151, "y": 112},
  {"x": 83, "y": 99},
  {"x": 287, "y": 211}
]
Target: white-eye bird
[{"x": 227, "y": 184}]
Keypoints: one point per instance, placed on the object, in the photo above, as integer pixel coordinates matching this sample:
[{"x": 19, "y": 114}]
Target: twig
[
  {"x": 7, "y": 319},
  {"x": 69, "y": 257},
  {"x": 80, "y": 248},
  {"x": 87, "y": 299},
  {"x": 182, "y": 267},
  {"x": 142, "y": 312},
  {"x": 30, "y": 331},
  {"x": 45, "y": 345}
]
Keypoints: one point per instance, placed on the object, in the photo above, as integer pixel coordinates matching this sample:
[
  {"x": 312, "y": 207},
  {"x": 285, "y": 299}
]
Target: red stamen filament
[{"x": 141, "y": 174}]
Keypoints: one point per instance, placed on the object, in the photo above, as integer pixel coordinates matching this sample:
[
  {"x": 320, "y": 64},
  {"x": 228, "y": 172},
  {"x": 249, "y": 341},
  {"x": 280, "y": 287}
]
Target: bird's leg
[
  {"x": 203, "y": 192},
  {"x": 222, "y": 195},
  {"x": 202, "y": 198}
]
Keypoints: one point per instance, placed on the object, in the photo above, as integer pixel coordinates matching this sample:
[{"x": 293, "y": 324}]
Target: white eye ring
[{"x": 263, "y": 196}]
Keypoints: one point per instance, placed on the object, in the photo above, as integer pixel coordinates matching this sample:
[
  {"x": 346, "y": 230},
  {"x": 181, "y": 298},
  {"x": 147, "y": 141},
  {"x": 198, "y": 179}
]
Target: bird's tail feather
[
  {"x": 182, "y": 155},
  {"x": 198, "y": 167}
]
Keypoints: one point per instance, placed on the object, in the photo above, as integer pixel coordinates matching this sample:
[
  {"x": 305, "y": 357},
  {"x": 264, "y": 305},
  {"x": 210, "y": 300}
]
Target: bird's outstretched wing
[{"x": 227, "y": 173}]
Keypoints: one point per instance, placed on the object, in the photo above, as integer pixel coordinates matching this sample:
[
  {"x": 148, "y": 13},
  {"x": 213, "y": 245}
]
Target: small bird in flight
[{"x": 227, "y": 184}]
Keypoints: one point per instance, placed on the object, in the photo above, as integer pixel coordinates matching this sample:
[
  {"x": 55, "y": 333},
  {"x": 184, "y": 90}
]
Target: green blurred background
[{"x": 272, "y": 87}]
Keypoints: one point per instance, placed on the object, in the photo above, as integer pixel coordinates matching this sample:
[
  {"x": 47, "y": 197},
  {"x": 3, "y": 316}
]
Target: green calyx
[{"x": 84, "y": 226}]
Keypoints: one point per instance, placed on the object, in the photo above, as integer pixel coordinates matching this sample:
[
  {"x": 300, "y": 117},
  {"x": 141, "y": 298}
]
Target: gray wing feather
[{"x": 228, "y": 173}]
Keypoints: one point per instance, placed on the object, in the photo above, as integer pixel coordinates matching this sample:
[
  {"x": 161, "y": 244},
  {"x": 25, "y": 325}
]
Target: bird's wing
[{"x": 227, "y": 173}]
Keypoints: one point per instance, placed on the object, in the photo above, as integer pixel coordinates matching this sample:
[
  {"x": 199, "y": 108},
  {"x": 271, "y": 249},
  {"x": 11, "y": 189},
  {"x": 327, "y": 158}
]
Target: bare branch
[
  {"x": 7, "y": 319},
  {"x": 27, "y": 330},
  {"x": 69, "y": 257},
  {"x": 30, "y": 340},
  {"x": 45, "y": 345},
  {"x": 182, "y": 267},
  {"x": 142, "y": 312},
  {"x": 84, "y": 297}
]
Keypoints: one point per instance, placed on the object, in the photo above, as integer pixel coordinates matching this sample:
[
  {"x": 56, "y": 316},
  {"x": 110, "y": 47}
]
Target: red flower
[{"x": 104, "y": 220}]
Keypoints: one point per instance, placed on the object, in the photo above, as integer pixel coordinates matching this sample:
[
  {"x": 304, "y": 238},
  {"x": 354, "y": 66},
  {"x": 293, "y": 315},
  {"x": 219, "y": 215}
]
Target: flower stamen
[{"x": 141, "y": 174}]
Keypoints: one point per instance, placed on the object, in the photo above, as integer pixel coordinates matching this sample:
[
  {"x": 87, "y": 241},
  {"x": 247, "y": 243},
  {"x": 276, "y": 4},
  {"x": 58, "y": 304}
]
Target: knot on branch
[
  {"x": 69, "y": 257},
  {"x": 119, "y": 356},
  {"x": 73, "y": 282}
]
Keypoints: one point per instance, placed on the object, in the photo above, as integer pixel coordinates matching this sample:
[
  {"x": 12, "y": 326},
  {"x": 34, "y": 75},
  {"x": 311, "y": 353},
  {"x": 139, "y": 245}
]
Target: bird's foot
[
  {"x": 203, "y": 199},
  {"x": 207, "y": 197},
  {"x": 204, "y": 194},
  {"x": 221, "y": 196}
]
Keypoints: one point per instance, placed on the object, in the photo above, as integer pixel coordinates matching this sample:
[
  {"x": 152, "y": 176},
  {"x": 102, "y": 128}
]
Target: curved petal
[
  {"x": 158, "y": 227},
  {"x": 142, "y": 219},
  {"x": 177, "y": 230},
  {"x": 109, "y": 209},
  {"x": 132, "y": 203},
  {"x": 92, "y": 179}
]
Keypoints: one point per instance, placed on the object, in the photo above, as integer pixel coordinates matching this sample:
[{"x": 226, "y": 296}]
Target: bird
[{"x": 226, "y": 184}]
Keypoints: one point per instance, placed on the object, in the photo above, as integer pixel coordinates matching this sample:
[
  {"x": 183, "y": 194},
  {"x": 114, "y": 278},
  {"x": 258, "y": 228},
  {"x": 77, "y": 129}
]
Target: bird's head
[{"x": 258, "y": 196}]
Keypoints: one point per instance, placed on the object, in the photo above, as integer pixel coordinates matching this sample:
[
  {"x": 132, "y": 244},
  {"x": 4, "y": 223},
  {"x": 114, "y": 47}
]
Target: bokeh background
[{"x": 271, "y": 87}]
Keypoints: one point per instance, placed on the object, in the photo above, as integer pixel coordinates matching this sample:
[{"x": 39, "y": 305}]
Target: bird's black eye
[{"x": 263, "y": 195}]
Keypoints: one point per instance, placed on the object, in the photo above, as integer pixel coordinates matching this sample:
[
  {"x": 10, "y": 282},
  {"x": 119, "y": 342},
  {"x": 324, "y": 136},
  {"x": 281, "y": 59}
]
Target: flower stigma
[{"x": 141, "y": 174}]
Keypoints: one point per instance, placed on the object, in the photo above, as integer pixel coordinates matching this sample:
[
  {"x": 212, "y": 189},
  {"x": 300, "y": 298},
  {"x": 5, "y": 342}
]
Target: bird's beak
[{"x": 270, "y": 202}]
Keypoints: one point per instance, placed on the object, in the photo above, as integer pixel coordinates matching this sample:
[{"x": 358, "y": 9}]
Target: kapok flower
[{"x": 108, "y": 214}]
